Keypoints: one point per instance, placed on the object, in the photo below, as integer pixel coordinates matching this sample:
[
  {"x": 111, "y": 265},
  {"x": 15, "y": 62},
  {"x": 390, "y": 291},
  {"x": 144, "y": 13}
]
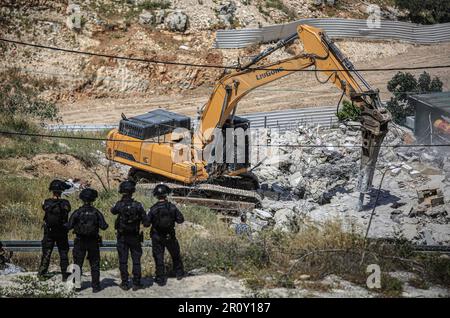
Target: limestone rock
[
  {"x": 176, "y": 21},
  {"x": 146, "y": 18}
]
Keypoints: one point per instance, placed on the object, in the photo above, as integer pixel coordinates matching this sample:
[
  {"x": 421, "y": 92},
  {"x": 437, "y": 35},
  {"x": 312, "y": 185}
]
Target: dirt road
[{"x": 296, "y": 91}]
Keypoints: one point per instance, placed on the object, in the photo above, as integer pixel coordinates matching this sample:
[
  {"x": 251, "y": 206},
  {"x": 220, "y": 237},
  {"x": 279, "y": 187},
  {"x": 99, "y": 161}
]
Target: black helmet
[
  {"x": 127, "y": 186},
  {"x": 88, "y": 195},
  {"x": 58, "y": 185},
  {"x": 161, "y": 190}
]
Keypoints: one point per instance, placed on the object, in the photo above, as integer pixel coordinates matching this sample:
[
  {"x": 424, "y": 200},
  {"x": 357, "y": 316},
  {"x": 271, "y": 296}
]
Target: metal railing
[
  {"x": 337, "y": 28},
  {"x": 34, "y": 246}
]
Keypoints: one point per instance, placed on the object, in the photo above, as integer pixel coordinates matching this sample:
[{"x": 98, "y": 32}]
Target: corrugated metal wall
[
  {"x": 282, "y": 119},
  {"x": 337, "y": 28}
]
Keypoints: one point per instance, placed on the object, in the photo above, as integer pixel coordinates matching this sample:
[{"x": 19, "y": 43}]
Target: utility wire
[
  {"x": 112, "y": 79},
  {"x": 15, "y": 133},
  {"x": 153, "y": 61}
]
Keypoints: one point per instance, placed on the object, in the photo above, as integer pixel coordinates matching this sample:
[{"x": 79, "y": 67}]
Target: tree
[
  {"x": 404, "y": 84},
  {"x": 426, "y": 11}
]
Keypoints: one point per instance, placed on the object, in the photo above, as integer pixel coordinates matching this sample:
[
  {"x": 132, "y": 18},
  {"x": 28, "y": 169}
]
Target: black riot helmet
[
  {"x": 58, "y": 186},
  {"x": 127, "y": 187},
  {"x": 161, "y": 191},
  {"x": 88, "y": 195}
]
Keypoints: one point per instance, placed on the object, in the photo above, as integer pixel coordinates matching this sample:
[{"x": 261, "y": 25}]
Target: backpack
[
  {"x": 87, "y": 224},
  {"x": 165, "y": 219},
  {"x": 129, "y": 218},
  {"x": 54, "y": 215}
]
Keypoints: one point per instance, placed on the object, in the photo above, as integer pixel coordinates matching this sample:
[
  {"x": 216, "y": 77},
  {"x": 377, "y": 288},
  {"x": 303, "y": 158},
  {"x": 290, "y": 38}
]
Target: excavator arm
[{"x": 326, "y": 58}]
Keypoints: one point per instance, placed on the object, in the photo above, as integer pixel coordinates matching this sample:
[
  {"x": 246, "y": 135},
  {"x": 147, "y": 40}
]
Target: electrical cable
[
  {"x": 15, "y": 133},
  {"x": 153, "y": 61}
]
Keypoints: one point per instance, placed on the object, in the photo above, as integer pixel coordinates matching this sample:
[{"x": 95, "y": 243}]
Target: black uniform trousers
[
  {"x": 91, "y": 247},
  {"x": 48, "y": 243},
  {"x": 159, "y": 244},
  {"x": 129, "y": 243}
]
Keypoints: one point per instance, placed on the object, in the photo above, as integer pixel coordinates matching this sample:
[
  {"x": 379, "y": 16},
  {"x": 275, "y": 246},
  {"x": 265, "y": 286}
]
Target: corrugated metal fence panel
[
  {"x": 276, "y": 119},
  {"x": 288, "y": 119},
  {"x": 337, "y": 28}
]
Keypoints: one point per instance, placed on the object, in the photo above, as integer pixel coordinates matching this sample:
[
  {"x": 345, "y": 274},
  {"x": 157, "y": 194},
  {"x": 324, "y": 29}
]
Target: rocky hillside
[{"x": 176, "y": 30}]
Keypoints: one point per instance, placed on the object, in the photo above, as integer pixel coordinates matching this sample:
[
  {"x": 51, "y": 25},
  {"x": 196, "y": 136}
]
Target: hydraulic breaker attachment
[{"x": 374, "y": 127}]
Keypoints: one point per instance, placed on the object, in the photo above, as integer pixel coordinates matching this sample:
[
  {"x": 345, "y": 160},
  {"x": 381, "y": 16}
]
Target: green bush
[{"x": 348, "y": 111}]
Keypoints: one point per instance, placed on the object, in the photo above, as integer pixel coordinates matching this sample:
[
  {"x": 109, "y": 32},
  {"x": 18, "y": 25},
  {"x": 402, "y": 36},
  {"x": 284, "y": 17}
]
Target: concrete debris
[
  {"x": 431, "y": 197},
  {"x": 262, "y": 214},
  {"x": 310, "y": 185}
]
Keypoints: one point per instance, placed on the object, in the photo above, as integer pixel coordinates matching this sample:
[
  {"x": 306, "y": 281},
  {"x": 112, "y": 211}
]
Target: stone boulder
[
  {"x": 285, "y": 220},
  {"x": 226, "y": 13},
  {"x": 146, "y": 18},
  {"x": 176, "y": 21}
]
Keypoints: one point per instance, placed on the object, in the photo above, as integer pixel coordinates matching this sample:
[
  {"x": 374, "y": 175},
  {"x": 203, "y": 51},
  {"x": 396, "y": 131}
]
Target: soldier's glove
[
  {"x": 100, "y": 241},
  {"x": 141, "y": 237}
]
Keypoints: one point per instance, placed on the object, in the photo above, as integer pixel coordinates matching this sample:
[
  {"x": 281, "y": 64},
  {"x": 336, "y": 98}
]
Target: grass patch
[
  {"x": 153, "y": 5},
  {"x": 14, "y": 146},
  {"x": 418, "y": 282},
  {"x": 391, "y": 286}
]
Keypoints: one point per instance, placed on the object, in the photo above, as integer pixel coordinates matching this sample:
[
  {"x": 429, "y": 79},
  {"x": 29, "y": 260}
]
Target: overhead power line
[
  {"x": 153, "y": 61},
  {"x": 16, "y": 133},
  {"x": 77, "y": 77}
]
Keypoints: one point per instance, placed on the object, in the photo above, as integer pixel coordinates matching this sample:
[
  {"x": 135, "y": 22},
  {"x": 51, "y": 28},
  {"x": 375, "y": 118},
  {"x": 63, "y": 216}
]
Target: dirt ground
[
  {"x": 296, "y": 91},
  {"x": 219, "y": 286}
]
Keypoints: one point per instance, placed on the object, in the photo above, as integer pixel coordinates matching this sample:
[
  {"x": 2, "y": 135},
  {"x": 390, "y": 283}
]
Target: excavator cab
[{"x": 230, "y": 153}]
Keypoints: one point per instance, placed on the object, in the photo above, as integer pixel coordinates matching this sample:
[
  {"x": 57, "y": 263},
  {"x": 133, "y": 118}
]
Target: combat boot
[
  {"x": 96, "y": 289},
  {"x": 137, "y": 286},
  {"x": 161, "y": 281},
  {"x": 124, "y": 286}
]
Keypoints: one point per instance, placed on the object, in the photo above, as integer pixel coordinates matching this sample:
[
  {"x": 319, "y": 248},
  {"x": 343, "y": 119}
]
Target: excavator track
[
  {"x": 216, "y": 197},
  {"x": 224, "y": 196}
]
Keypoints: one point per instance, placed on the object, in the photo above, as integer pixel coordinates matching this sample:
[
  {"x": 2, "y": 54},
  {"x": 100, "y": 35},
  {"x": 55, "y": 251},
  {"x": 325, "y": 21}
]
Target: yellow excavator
[{"x": 147, "y": 143}]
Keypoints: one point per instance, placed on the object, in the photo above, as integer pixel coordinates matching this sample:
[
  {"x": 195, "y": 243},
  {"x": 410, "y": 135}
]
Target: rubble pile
[{"x": 310, "y": 185}]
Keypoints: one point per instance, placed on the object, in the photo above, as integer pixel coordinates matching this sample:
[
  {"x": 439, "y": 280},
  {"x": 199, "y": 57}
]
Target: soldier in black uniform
[
  {"x": 163, "y": 215},
  {"x": 55, "y": 217},
  {"x": 131, "y": 215},
  {"x": 86, "y": 222}
]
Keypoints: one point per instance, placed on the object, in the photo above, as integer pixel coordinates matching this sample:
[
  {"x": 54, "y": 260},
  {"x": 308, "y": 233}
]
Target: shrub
[{"x": 348, "y": 111}]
